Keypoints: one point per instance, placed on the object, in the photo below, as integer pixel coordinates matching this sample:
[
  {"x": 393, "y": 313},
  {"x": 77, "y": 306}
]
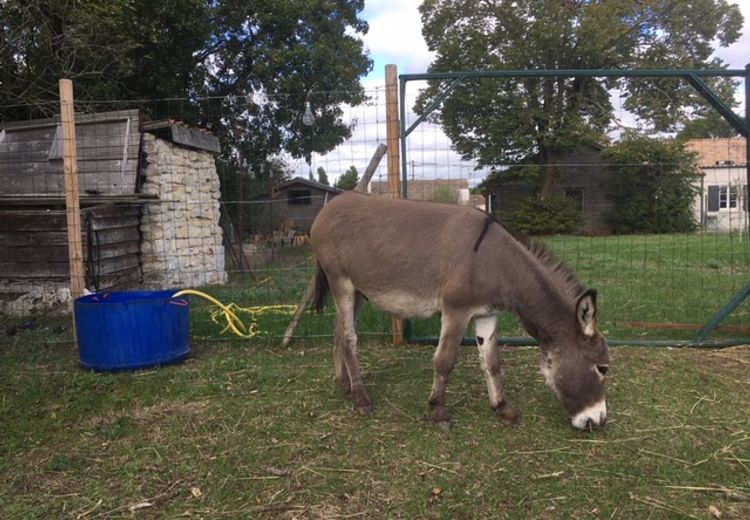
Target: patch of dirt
[
  {"x": 149, "y": 414},
  {"x": 732, "y": 359}
]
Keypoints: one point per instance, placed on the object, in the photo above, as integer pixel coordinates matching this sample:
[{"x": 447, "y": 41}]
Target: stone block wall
[{"x": 182, "y": 241}]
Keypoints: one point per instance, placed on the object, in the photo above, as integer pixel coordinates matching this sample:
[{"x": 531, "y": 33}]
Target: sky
[{"x": 395, "y": 37}]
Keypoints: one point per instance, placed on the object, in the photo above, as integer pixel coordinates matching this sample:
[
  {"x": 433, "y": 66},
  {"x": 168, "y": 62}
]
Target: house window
[
  {"x": 575, "y": 194},
  {"x": 722, "y": 197},
  {"x": 298, "y": 197},
  {"x": 727, "y": 197}
]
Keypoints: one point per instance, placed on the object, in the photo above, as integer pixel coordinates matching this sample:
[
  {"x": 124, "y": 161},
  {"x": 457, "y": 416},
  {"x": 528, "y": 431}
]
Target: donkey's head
[{"x": 575, "y": 366}]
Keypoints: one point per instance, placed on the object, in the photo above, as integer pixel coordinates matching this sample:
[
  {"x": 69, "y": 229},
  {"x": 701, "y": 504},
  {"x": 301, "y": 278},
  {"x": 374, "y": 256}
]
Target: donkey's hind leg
[
  {"x": 348, "y": 303},
  {"x": 492, "y": 368},
  {"x": 339, "y": 350}
]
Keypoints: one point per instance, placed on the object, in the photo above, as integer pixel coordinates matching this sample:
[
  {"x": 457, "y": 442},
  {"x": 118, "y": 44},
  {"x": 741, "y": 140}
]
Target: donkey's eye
[{"x": 602, "y": 369}]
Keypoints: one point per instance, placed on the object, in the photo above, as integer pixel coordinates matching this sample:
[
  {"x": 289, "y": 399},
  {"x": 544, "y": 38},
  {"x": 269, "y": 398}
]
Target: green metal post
[{"x": 723, "y": 313}]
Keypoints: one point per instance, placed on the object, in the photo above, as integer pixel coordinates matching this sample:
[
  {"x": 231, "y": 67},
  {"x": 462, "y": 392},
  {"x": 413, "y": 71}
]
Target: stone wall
[{"x": 182, "y": 240}]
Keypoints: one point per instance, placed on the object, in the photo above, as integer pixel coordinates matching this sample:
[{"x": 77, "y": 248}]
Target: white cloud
[{"x": 395, "y": 36}]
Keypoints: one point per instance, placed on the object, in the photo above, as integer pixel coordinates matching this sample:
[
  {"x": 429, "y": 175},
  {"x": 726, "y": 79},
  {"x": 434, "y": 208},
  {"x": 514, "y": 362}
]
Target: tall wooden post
[
  {"x": 394, "y": 162},
  {"x": 70, "y": 168}
]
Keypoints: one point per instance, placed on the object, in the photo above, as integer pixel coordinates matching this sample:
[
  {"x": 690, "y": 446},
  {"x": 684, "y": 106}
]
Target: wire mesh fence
[{"x": 167, "y": 205}]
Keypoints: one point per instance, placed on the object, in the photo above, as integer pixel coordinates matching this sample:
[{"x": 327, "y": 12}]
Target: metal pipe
[{"x": 529, "y": 342}]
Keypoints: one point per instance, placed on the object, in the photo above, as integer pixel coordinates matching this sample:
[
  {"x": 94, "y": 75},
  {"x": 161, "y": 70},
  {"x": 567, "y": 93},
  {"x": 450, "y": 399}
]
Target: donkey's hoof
[
  {"x": 508, "y": 414},
  {"x": 440, "y": 418},
  {"x": 364, "y": 410},
  {"x": 446, "y": 426}
]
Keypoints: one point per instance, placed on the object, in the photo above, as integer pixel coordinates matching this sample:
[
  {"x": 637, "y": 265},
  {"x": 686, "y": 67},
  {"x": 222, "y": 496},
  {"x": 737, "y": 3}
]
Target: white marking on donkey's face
[
  {"x": 559, "y": 379},
  {"x": 594, "y": 415}
]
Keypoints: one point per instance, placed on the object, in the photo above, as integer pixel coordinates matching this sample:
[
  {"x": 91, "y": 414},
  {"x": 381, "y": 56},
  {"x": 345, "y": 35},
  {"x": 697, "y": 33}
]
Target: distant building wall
[{"x": 721, "y": 194}]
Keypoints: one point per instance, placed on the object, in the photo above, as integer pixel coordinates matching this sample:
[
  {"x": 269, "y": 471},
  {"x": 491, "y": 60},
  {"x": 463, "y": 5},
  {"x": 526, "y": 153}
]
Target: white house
[{"x": 721, "y": 203}]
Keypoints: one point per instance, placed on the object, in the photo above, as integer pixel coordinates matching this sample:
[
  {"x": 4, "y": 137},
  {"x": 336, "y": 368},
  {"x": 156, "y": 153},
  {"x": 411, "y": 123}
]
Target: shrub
[
  {"x": 554, "y": 215},
  {"x": 445, "y": 195},
  {"x": 653, "y": 187}
]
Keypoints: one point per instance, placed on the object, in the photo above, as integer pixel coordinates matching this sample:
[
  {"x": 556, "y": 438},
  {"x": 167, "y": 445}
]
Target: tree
[
  {"x": 710, "y": 125},
  {"x": 266, "y": 61},
  {"x": 517, "y": 120},
  {"x": 243, "y": 69},
  {"x": 94, "y": 44},
  {"x": 323, "y": 176},
  {"x": 652, "y": 185},
  {"x": 348, "y": 179}
]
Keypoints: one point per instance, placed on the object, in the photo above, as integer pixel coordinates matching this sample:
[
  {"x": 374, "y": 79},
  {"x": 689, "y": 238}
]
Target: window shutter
[{"x": 713, "y": 198}]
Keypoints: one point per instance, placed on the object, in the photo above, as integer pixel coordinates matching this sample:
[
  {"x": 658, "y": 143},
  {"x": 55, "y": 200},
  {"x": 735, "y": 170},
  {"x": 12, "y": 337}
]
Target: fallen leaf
[
  {"x": 196, "y": 491},
  {"x": 714, "y": 512}
]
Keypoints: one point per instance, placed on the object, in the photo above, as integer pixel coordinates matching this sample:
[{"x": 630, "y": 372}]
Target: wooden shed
[
  {"x": 112, "y": 170},
  {"x": 33, "y": 228},
  {"x": 298, "y": 201}
]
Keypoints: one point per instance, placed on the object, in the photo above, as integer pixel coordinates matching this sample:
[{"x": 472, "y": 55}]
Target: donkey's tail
[{"x": 322, "y": 289}]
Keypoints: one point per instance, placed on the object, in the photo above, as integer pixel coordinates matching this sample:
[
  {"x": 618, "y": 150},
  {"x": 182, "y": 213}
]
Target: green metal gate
[{"x": 720, "y": 312}]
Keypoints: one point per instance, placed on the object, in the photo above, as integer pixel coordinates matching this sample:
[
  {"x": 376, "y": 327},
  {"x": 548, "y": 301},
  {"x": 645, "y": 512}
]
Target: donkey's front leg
[
  {"x": 490, "y": 362},
  {"x": 451, "y": 332}
]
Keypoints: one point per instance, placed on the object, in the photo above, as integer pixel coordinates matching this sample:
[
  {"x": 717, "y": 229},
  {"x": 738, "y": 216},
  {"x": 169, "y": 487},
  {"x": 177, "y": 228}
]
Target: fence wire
[{"x": 162, "y": 208}]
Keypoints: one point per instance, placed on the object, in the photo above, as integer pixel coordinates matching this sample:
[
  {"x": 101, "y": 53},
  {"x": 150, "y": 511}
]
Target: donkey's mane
[
  {"x": 547, "y": 258},
  {"x": 557, "y": 268}
]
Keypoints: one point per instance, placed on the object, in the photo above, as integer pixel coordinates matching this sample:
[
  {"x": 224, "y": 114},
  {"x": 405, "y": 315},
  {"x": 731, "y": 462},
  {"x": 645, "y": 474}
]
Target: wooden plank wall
[
  {"x": 33, "y": 245},
  {"x": 279, "y": 210},
  {"x": 107, "y": 146}
]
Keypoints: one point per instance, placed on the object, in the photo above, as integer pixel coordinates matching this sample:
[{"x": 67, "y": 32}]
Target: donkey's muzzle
[{"x": 591, "y": 417}]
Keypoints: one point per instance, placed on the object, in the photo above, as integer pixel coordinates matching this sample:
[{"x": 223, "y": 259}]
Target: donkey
[{"x": 416, "y": 259}]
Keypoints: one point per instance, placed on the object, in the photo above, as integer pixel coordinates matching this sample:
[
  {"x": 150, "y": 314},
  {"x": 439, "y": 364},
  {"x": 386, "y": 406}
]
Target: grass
[
  {"x": 246, "y": 429},
  {"x": 681, "y": 278},
  {"x": 659, "y": 279},
  {"x": 250, "y": 430}
]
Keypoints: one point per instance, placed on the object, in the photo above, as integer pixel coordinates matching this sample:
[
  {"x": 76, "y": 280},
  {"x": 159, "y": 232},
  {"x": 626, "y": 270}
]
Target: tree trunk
[{"x": 549, "y": 174}]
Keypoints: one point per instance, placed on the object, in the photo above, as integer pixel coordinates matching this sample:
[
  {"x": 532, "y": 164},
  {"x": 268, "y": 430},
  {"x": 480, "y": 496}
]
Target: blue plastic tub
[{"x": 132, "y": 329}]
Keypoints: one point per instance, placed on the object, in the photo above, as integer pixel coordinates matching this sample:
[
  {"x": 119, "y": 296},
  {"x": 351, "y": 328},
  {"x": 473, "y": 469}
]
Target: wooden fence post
[
  {"x": 394, "y": 167},
  {"x": 70, "y": 168}
]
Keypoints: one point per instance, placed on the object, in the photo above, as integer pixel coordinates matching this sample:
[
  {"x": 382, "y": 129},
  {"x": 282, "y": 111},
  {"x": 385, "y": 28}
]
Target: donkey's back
[{"x": 402, "y": 256}]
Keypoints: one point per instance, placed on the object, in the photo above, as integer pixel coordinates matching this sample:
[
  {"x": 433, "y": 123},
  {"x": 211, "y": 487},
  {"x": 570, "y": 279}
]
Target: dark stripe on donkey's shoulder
[
  {"x": 539, "y": 250},
  {"x": 487, "y": 221}
]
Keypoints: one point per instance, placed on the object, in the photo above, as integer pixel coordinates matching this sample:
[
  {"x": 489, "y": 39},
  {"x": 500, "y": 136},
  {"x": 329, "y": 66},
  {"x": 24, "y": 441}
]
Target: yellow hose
[{"x": 234, "y": 323}]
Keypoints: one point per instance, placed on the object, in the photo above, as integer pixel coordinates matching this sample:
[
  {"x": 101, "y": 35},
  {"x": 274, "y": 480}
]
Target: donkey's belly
[{"x": 405, "y": 304}]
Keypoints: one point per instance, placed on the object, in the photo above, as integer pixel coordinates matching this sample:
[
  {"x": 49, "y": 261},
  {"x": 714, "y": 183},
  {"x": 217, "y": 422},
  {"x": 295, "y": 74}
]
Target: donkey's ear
[{"x": 586, "y": 312}]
